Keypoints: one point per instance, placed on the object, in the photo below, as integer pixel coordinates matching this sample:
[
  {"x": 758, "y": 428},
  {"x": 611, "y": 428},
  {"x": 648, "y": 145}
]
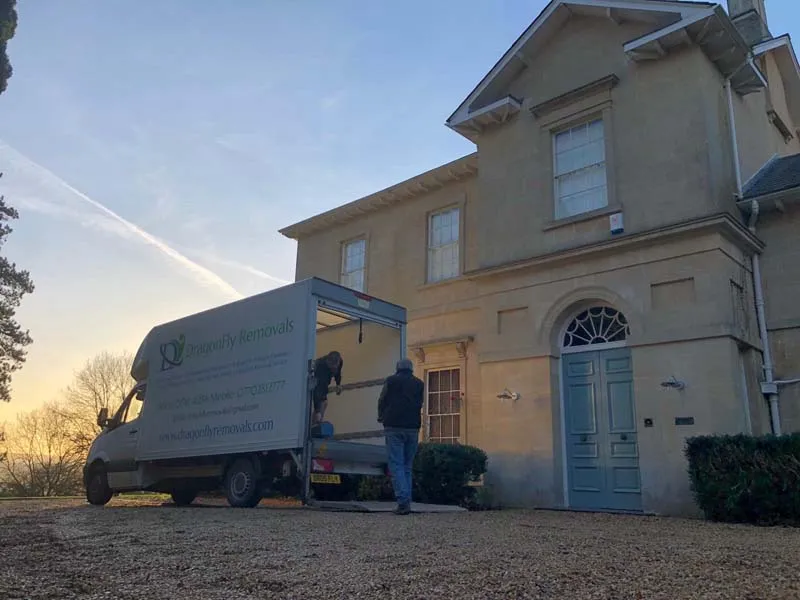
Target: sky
[{"x": 154, "y": 148}]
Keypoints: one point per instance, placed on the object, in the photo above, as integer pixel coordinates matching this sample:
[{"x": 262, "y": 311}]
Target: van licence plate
[{"x": 326, "y": 478}]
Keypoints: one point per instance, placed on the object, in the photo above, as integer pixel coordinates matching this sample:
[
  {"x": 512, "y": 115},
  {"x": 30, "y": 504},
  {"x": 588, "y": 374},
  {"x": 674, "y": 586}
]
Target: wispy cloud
[
  {"x": 224, "y": 262},
  {"x": 334, "y": 100},
  {"x": 107, "y": 220}
]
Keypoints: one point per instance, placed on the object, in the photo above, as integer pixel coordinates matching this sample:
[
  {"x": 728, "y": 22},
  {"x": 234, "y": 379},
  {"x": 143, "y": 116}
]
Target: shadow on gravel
[{"x": 194, "y": 506}]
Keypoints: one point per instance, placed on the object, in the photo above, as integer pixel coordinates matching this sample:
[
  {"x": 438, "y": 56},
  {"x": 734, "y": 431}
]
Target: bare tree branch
[
  {"x": 43, "y": 452},
  {"x": 103, "y": 382},
  {"x": 40, "y": 458}
]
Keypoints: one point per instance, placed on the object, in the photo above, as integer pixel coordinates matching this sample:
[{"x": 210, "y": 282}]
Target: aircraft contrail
[
  {"x": 240, "y": 266},
  {"x": 202, "y": 273}
]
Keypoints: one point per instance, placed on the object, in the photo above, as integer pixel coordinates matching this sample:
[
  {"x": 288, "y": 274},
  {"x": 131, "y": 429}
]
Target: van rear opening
[
  {"x": 370, "y": 352},
  {"x": 351, "y": 441}
]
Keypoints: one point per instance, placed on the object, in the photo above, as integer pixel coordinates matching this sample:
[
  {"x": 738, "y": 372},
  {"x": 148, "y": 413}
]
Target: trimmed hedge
[
  {"x": 442, "y": 473},
  {"x": 746, "y": 479}
]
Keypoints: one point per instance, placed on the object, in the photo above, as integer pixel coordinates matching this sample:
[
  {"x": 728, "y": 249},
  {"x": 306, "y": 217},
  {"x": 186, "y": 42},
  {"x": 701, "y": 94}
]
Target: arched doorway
[{"x": 601, "y": 445}]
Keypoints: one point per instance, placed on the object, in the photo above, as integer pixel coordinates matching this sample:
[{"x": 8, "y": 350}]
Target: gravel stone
[{"x": 142, "y": 549}]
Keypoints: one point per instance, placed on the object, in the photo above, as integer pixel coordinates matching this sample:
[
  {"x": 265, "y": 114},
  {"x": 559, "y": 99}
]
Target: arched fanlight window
[{"x": 598, "y": 325}]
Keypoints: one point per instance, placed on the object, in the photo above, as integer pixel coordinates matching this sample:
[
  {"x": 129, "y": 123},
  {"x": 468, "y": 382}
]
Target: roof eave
[
  {"x": 771, "y": 202},
  {"x": 761, "y": 171},
  {"x": 463, "y": 108},
  {"x": 476, "y": 122},
  {"x": 790, "y": 68},
  {"x": 781, "y": 41},
  {"x": 457, "y": 170},
  {"x": 684, "y": 9},
  {"x": 713, "y": 31}
]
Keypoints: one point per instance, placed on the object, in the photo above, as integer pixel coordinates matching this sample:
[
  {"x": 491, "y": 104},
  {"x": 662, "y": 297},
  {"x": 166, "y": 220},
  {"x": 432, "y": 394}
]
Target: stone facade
[{"x": 679, "y": 272}]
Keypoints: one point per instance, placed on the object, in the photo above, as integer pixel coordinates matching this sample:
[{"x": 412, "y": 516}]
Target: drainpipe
[
  {"x": 768, "y": 387},
  {"x": 732, "y": 122}
]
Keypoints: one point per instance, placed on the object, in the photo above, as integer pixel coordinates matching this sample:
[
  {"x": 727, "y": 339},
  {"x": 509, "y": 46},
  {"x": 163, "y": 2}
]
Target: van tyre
[
  {"x": 184, "y": 496},
  {"x": 242, "y": 485},
  {"x": 97, "y": 491}
]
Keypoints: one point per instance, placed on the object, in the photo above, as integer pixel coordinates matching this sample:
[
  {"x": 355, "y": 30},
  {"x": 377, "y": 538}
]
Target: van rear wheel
[
  {"x": 183, "y": 496},
  {"x": 97, "y": 491},
  {"x": 241, "y": 484}
]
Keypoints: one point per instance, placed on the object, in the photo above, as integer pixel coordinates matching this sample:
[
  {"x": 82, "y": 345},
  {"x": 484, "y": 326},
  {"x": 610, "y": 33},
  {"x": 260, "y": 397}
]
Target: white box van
[{"x": 223, "y": 399}]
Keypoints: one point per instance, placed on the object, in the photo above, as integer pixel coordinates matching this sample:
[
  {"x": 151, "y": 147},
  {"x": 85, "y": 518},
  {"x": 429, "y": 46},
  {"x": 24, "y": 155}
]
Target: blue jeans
[{"x": 401, "y": 446}]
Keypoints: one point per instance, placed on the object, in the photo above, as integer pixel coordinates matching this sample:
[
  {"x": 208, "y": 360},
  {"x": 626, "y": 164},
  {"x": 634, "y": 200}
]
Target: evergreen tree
[
  {"x": 14, "y": 284},
  {"x": 8, "y": 24}
]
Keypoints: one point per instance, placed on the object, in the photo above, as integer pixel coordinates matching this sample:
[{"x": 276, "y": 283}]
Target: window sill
[
  {"x": 587, "y": 216},
  {"x": 436, "y": 284}
]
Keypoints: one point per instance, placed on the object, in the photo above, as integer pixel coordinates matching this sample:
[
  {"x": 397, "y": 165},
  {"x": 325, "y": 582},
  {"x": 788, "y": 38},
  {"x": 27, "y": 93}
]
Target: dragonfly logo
[{"x": 172, "y": 353}]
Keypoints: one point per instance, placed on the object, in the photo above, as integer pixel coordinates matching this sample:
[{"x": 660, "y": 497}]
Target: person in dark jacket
[
  {"x": 326, "y": 368},
  {"x": 399, "y": 410}
]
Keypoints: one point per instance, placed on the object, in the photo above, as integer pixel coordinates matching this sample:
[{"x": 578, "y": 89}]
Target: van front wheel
[
  {"x": 97, "y": 491},
  {"x": 241, "y": 484}
]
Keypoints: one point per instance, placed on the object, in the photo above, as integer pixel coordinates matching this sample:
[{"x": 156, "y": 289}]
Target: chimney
[{"x": 750, "y": 18}]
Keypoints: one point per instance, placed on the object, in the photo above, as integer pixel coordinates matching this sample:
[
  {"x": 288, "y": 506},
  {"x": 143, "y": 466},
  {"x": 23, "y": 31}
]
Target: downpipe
[
  {"x": 769, "y": 388},
  {"x": 732, "y": 121}
]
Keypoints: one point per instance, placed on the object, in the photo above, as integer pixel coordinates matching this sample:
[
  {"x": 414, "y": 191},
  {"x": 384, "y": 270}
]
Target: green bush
[
  {"x": 746, "y": 479},
  {"x": 442, "y": 473},
  {"x": 482, "y": 499},
  {"x": 374, "y": 488}
]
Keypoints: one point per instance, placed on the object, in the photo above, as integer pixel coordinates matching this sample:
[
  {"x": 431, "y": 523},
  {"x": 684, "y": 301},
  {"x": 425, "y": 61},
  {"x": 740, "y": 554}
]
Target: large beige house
[{"x": 617, "y": 265}]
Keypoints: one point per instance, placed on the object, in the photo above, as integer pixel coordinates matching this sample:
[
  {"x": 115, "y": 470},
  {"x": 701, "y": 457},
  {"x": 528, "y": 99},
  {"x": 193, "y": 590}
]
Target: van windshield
[{"x": 134, "y": 408}]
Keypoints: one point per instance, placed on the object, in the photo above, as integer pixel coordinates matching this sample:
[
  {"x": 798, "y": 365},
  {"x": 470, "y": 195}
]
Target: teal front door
[{"x": 601, "y": 441}]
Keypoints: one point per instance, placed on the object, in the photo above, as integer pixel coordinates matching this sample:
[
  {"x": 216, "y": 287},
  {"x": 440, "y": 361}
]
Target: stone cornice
[
  {"x": 432, "y": 180},
  {"x": 722, "y": 223}
]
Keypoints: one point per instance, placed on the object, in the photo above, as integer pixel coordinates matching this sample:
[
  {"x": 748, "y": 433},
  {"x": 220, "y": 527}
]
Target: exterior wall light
[
  {"x": 506, "y": 394},
  {"x": 673, "y": 383}
]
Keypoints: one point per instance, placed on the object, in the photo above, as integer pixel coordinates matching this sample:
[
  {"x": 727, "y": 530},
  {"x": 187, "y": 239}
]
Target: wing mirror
[{"x": 102, "y": 417}]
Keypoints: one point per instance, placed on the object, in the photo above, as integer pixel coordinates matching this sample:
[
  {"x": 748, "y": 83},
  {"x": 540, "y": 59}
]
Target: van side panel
[{"x": 228, "y": 380}]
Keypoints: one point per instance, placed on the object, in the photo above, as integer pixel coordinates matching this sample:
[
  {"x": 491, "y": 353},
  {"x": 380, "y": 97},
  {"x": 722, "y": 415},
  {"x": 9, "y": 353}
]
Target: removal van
[{"x": 223, "y": 399}]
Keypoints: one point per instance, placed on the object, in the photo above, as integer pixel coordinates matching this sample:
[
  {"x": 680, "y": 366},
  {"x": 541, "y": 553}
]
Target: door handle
[
  {"x": 624, "y": 437},
  {"x": 132, "y": 431},
  {"x": 584, "y": 437}
]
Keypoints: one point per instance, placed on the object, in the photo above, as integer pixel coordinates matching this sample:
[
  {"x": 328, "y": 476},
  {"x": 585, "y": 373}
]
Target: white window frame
[
  {"x": 346, "y": 273},
  {"x": 560, "y": 211},
  {"x": 460, "y": 414},
  {"x": 435, "y": 252}
]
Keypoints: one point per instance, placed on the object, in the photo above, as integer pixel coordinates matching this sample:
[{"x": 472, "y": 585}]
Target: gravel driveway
[{"x": 142, "y": 550}]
